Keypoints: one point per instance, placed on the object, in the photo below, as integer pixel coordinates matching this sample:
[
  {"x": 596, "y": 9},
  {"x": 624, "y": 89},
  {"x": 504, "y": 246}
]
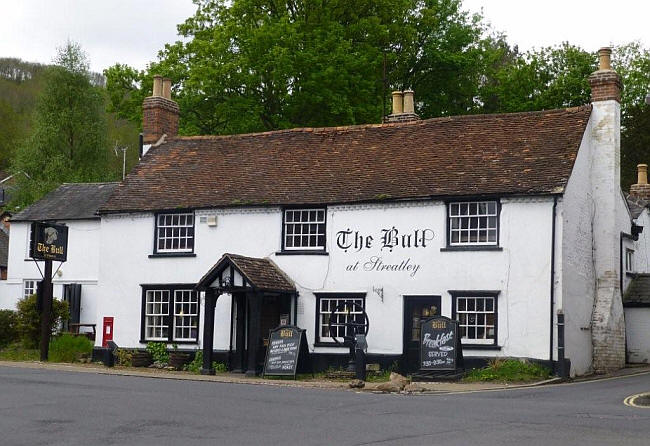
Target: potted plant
[{"x": 178, "y": 359}]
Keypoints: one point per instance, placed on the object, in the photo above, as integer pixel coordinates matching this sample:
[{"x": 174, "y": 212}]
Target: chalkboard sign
[
  {"x": 287, "y": 348},
  {"x": 440, "y": 347}
]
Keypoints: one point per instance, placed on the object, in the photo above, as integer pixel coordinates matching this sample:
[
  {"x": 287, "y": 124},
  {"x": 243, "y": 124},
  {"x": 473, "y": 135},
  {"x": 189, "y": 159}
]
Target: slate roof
[
  {"x": 263, "y": 274},
  {"x": 4, "y": 249},
  {"x": 528, "y": 153},
  {"x": 638, "y": 292},
  {"x": 636, "y": 205},
  {"x": 70, "y": 201}
]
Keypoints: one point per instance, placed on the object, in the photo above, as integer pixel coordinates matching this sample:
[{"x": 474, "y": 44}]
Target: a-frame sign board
[
  {"x": 287, "y": 353},
  {"x": 441, "y": 351}
]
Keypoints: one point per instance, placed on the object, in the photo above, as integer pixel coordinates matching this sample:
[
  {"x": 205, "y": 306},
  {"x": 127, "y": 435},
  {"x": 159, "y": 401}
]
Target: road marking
[{"x": 631, "y": 400}]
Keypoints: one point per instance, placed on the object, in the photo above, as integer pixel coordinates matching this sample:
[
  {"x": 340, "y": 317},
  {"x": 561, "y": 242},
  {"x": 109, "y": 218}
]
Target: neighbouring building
[
  {"x": 505, "y": 222},
  {"x": 74, "y": 205}
]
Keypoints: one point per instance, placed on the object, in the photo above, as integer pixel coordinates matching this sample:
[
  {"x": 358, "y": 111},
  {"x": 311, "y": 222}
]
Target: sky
[{"x": 133, "y": 31}]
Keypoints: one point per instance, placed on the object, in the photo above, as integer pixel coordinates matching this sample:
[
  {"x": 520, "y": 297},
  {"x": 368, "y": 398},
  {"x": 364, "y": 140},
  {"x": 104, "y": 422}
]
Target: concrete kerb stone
[{"x": 422, "y": 388}]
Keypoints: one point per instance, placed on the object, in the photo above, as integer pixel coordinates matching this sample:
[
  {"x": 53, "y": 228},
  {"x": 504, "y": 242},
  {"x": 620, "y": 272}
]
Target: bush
[
  {"x": 7, "y": 327},
  {"x": 28, "y": 320},
  {"x": 69, "y": 348},
  {"x": 505, "y": 370},
  {"x": 158, "y": 351},
  {"x": 124, "y": 357},
  {"x": 197, "y": 364}
]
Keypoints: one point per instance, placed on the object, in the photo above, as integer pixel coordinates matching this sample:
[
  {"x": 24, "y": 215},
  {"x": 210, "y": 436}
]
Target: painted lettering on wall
[
  {"x": 385, "y": 241},
  {"x": 388, "y": 239}
]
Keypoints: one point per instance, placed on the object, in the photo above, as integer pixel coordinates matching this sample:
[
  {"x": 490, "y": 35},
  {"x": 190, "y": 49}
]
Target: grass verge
[{"x": 508, "y": 370}]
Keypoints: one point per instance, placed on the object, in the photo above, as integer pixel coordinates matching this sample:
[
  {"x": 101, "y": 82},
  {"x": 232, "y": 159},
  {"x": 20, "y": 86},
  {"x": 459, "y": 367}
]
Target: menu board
[
  {"x": 283, "y": 351},
  {"x": 439, "y": 344}
]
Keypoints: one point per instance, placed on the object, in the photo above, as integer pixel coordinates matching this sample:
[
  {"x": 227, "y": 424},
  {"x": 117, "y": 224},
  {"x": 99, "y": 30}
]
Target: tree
[
  {"x": 68, "y": 141},
  {"x": 249, "y": 65}
]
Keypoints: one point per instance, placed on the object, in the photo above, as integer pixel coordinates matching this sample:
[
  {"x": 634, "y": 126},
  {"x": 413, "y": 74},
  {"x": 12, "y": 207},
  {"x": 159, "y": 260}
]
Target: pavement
[
  {"x": 319, "y": 383},
  {"x": 50, "y": 404}
]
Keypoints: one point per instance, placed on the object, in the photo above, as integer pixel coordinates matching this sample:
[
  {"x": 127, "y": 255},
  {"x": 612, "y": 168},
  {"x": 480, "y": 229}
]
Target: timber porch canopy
[{"x": 260, "y": 291}]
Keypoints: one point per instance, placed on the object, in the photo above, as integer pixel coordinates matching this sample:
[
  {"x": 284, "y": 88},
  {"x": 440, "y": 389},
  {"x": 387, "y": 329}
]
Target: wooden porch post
[
  {"x": 255, "y": 307},
  {"x": 208, "y": 331}
]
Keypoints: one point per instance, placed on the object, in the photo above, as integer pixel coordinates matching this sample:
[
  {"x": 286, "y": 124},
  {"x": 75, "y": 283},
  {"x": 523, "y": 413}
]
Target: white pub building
[{"x": 505, "y": 223}]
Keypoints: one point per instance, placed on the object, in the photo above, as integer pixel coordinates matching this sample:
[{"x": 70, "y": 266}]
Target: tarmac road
[{"x": 50, "y": 407}]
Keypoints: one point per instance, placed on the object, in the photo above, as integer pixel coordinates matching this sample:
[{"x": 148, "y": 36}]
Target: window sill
[
  {"x": 329, "y": 344},
  {"x": 172, "y": 254},
  {"x": 472, "y": 248},
  {"x": 481, "y": 347},
  {"x": 144, "y": 341},
  {"x": 302, "y": 253}
]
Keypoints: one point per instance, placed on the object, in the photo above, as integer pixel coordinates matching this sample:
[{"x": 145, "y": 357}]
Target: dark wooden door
[{"x": 416, "y": 309}]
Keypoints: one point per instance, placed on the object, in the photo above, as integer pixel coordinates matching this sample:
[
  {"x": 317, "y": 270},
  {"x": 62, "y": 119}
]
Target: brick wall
[{"x": 159, "y": 117}]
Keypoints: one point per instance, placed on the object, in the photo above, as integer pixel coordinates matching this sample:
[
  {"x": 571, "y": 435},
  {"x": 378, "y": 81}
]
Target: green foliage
[
  {"x": 7, "y": 327},
  {"x": 197, "y": 364},
  {"x": 17, "y": 352},
  {"x": 28, "y": 320},
  {"x": 69, "y": 348},
  {"x": 158, "y": 351},
  {"x": 124, "y": 357},
  {"x": 509, "y": 370}
]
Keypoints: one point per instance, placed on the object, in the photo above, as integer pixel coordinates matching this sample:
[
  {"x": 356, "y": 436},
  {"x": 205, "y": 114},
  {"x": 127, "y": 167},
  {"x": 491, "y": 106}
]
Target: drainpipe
[{"x": 552, "y": 291}]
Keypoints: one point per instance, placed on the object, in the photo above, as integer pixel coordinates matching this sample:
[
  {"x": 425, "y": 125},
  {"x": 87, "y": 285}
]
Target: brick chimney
[
  {"x": 641, "y": 189},
  {"x": 607, "y": 322},
  {"x": 403, "y": 107},
  {"x": 159, "y": 112}
]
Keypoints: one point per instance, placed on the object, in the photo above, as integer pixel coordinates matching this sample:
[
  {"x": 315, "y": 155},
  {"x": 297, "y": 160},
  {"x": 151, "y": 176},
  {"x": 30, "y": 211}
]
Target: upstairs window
[
  {"x": 304, "y": 230},
  {"x": 175, "y": 232},
  {"x": 473, "y": 223}
]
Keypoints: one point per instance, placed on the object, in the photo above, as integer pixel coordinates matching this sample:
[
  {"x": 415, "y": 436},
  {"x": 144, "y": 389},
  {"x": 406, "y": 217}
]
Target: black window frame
[
  {"x": 337, "y": 295},
  {"x": 472, "y": 247},
  {"x": 171, "y": 288},
  {"x": 185, "y": 253},
  {"x": 303, "y": 251},
  {"x": 455, "y": 294}
]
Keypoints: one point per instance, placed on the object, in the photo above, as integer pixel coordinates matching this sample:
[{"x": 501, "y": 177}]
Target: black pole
[
  {"x": 46, "y": 312},
  {"x": 208, "y": 331},
  {"x": 562, "y": 371},
  {"x": 255, "y": 307}
]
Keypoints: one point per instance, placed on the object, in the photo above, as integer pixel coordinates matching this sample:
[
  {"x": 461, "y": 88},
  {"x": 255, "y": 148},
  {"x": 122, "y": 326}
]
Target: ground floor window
[
  {"x": 476, "y": 313},
  {"x": 326, "y": 303},
  {"x": 170, "y": 313},
  {"x": 29, "y": 287}
]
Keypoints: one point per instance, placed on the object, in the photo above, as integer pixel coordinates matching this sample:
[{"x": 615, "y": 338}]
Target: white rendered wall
[
  {"x": 81, "y": 267},
  {"x": 521, "y": 271},
  {"x": 637, "y": 322}
]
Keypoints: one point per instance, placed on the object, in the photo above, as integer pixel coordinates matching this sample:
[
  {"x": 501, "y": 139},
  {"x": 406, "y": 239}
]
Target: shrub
[
  {"x": 7, "y": 327},
  {"x": 158, "y": 351},
  {"x": 124, "y": 357},
  {"x": 28, "y": 320},
  {"x": 69, "y": 348},
  {"x": 197, "y": 364},
  {"x": 505, "y": 370}
]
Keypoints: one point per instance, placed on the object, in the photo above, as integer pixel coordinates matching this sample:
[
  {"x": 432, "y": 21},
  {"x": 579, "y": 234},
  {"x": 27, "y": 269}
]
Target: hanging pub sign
[
  {"x": 440, "y": 346},
  {"x": 287, "y": 351},
  {"x": 48, "y": 241}
]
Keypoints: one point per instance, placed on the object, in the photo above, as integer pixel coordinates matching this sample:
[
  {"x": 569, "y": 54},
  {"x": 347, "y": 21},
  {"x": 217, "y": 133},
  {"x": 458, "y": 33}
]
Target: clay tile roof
[
  {"x": 507, "y": 154},
  {"x": 638, "y": 292},
  {"x": 70, "y": 201},
  {"x": 263, "y": 274}
]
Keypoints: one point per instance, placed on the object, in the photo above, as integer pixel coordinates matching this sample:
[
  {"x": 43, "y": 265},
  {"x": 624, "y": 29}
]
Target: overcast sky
[{"x": 133, "y": 31}]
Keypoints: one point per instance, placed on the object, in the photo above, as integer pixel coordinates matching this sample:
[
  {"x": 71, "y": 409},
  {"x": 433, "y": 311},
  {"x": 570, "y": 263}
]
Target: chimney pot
[
  {"x": 409, "y": 105},
  {"x": 604, "y": 58},
  {"x": 167, "y": 88},
  {"x": 157, "y": 85},
  {"x": 642, "y": 174},
  {"x": 398, "y": 105}
]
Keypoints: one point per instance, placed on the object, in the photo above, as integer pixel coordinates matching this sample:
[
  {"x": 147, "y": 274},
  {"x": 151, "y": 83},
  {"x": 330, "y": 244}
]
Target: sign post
[
  {"x": 441, "y": 352},
  {"x": 48, "y": 242}
]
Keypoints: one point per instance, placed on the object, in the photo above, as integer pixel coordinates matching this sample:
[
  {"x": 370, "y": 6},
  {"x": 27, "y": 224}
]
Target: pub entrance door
[{"x": 416, "y": 309}]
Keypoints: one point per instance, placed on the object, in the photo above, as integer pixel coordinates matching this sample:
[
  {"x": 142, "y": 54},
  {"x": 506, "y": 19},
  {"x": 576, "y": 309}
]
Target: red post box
[{"x": 107, "y": 332}]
